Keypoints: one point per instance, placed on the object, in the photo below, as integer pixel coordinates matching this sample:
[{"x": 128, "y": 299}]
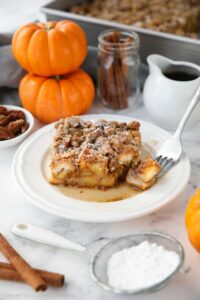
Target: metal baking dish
[{"x": 172, "y": 46}]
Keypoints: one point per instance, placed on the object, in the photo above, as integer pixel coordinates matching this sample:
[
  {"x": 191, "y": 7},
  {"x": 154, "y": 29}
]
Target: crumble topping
[{"x": 99, "y": 142}]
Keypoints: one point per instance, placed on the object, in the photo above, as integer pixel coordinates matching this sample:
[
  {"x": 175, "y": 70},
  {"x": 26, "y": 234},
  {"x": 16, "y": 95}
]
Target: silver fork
[{"x": 171, "y": 150}]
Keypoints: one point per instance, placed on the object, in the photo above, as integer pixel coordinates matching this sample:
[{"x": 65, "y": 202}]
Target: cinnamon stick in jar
[
  {"x": 118, "y": 68},
  {"x": 28, "y": 274},
  {"x": 121, "y": 80},
  {"x": 106, "y": 76},
  {"x": 7, "y": 272}
]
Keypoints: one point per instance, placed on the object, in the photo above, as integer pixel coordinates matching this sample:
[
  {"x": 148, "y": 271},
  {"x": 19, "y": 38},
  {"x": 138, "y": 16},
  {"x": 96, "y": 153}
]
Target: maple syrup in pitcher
[
  {"x": 181, "y": 73},
  {"x": 168, "y": 91}
]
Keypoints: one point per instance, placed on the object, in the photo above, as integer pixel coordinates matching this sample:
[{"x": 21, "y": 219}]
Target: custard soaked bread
[
  {"x": 144, "y": 175},
  {"x": 98, "y": 154}
]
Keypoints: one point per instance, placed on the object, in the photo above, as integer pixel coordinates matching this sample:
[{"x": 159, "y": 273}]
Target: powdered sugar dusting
[{"x": 140, "y": 266}]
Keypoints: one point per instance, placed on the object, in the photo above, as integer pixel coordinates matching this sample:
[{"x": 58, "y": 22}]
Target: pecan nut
[
  {"x": 15, "y": 115},
  {"x": 4, "y": 120},
  {"x": 15, "y": 127},
  {"x": 12, "y": 123},
  {"x": 3, "y": 111},
  {"x": 5, "y": 134}
]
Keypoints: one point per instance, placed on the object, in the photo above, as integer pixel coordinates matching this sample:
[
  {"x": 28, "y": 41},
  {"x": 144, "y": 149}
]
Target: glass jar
[{"x": 118, "y": 68}]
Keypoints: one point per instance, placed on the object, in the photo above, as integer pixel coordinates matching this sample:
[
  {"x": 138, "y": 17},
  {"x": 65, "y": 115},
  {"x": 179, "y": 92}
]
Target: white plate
[{"x": 29, "y": 170}]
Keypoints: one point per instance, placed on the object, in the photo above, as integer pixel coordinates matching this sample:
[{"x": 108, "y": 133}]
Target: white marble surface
[
  {"x": 15, "y": 13},
  {"x": 14, "y": 207}
]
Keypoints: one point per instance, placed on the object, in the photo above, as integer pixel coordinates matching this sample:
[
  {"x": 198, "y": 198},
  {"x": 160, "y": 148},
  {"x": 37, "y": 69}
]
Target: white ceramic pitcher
[{"x": 167, "y": 99}]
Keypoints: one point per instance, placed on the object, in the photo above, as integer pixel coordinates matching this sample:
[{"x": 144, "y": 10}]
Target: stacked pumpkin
[{"x": 52, "y": 53}]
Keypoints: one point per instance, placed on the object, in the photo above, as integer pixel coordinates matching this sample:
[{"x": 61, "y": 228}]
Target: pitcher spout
[{"x": 157, "y": 63}]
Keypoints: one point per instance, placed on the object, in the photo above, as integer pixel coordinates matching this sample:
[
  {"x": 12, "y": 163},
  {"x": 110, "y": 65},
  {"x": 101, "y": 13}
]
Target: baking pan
[{"x": 170, "y": 45}]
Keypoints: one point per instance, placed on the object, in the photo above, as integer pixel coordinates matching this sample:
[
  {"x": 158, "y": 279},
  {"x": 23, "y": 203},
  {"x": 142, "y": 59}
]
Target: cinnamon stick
[
  {"x": 108, "y": 86},
  {"x": 114, "y": 81},
  {"x": 7, "y": 272},
  {"x": 118, "y": 73},
  {"x": 28, "y": 274}
]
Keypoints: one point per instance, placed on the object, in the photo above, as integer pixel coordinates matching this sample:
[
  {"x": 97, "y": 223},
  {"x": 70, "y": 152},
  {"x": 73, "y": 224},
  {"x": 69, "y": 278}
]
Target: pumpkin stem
[
  {"x": 48, "y": 26},
  {"x": 57, "y": 77}
]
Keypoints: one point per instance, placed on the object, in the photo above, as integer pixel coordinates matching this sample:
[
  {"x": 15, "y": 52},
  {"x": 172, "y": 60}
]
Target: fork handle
[{"x": 193, "y": 103}]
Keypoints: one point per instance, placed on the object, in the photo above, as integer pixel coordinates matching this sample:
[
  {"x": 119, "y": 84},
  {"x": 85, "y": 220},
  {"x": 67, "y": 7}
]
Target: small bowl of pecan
[{"x": 15, "y": 124}]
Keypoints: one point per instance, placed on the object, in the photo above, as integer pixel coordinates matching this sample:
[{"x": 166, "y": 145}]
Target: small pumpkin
[
  {"x": 192, "y": 220},
  {"x": 50, "y": 99},
  {"x": 50, "y": 49}
]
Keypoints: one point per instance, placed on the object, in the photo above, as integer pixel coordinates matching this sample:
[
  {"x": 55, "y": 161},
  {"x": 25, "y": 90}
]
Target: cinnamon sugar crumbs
[{"x": 100, "y": 142}]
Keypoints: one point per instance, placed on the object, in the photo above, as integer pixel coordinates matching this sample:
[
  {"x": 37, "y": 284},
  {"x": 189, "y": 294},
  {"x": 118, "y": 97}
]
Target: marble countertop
[
  {"x": 18, "y": 12},
  {"x": 15, "y": 207}
]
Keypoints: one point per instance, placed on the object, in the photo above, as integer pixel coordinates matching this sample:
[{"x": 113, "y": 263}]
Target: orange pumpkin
[
  {"x": 50, "y": 49},
  {"x": 192, "y": 220},
  {"x": 50, "y": 99}
]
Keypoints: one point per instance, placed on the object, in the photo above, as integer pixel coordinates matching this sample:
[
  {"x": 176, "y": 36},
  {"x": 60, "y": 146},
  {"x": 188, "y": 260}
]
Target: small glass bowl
[{"x": 100, "y": 262}]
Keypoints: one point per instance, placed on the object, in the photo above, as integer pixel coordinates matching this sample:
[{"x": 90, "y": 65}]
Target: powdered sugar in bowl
[{"x": 112, "y": 272}]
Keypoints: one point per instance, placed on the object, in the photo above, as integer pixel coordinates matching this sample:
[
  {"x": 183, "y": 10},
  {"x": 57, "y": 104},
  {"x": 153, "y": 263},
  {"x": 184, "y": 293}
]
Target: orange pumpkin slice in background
[
  {"x": 50, "y": 99},
  {"x": 192, "y": 220},
  {"x": 50, "y": 49}
]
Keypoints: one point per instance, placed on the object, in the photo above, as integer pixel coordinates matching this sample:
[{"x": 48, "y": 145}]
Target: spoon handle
[
  {"x": 193, "y": 103},
  {"x": 42, "y": 235}
]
